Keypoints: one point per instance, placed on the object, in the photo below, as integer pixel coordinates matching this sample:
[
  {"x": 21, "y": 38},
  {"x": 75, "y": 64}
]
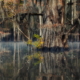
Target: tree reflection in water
[{"x": 54, "y": 66}]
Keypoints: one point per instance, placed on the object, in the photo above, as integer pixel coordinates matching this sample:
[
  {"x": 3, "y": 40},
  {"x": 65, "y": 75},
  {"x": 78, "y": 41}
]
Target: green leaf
[
  {"x": 36, "y": 36},
  {"x": 35, "y": 43},
  {"x": 29, "y": 42}
]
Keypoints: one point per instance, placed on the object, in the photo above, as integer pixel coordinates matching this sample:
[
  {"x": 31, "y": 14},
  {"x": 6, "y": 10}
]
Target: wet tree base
[{"x": 52, "y": 49}]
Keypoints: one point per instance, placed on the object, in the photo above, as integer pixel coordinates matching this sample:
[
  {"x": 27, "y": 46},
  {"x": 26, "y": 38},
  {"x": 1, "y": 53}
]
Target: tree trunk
[
  {"x": 53, "y": 35},
  {"x": 65, "y": 41},
  {"x": 14, "y": 30},
  {"x": 53, "y": 40}
]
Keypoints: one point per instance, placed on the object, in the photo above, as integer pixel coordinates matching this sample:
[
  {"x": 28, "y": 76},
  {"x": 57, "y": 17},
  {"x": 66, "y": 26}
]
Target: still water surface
[{"x": 55, "y": 66}]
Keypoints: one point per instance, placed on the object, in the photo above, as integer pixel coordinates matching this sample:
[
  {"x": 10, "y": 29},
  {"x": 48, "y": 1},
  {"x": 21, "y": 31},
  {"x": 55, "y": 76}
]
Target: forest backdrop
[{"x": 52, "y": 20}]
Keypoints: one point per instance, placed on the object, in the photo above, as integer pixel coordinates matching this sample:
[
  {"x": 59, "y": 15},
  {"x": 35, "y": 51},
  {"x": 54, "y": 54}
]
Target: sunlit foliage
[
  {"x": 37, "y": 56},
  {"x": 38, "y": 43}
]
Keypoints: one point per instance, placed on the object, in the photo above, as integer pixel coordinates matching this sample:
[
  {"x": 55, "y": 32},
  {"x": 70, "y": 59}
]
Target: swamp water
[{"x": 54, "y": 66}]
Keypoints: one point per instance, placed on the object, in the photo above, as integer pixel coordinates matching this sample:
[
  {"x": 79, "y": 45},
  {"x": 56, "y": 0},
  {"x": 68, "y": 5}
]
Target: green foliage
[
  {"x": 37, "y": 56},
  {"x": 29, "y": 42},
  {"x": 37, "y": 43},
  {"x": 36, "y": 36}
]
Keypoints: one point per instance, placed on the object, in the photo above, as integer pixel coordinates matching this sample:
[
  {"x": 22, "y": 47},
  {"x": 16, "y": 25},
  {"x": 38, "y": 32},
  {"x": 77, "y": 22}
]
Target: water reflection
[{"x": 54, "y": 66}]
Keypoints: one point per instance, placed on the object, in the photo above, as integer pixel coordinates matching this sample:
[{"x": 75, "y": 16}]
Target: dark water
[{"x": 54, "y": 66}]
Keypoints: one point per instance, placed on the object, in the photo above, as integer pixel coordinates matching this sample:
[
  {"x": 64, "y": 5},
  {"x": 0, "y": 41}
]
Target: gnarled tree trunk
[{"x": 52, "y": 31}]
